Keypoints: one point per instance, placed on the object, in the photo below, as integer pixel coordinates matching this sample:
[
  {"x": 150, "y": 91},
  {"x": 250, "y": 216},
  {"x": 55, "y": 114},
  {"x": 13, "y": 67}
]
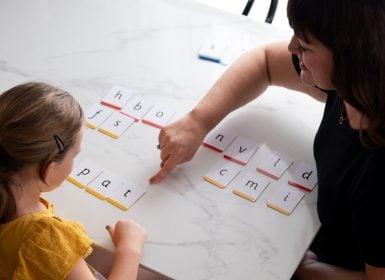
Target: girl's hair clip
[{"x": 59, "y": 143}]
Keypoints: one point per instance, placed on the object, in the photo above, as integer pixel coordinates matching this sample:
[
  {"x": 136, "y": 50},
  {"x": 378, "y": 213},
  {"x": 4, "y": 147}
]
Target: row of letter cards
[
  {"x": 120, "y": 108},
  {"x": 250, "y": 185},
  {"x": 105, "y": 184}
]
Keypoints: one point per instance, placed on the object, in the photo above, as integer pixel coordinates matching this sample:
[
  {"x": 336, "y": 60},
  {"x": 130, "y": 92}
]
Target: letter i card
[{"x": 285, "y": 199}]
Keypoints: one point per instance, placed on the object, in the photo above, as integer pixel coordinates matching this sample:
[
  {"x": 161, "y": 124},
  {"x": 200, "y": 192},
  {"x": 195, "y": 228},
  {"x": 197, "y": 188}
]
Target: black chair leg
[
  {"x": 271, "y": 12},
  {"x": 247, "y": 8}
]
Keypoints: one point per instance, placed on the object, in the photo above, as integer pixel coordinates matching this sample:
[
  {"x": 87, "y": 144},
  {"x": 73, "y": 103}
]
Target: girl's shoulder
[{"x": 51, "y": 249}]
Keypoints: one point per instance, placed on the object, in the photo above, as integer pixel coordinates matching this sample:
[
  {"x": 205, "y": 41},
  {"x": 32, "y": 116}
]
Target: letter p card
[{"x": 84, "y": 173}]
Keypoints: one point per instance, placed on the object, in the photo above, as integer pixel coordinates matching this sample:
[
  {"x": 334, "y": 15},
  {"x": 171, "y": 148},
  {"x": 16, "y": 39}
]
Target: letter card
[
  {"x": 125, "y": 195},
  {"x": 286, "y": 199},
  {"x": 136, "y": 108},
  {"x": 219, "y": 139},
  {"x": 249, "y": 185},
  {"x": 116, "y": 125},
  {"x": 84, "y": 173},
  {"x": 304, "y": 177},
  {"x": 158, "y": 116},
  {"x": 97, "y": 114},
  {"x": 104, "y": 185},
  {"x": 275, "y": 165},
  {"x": 222, "y": 173},
  {"x": 117, "y": 97},
  {"x": 241, "y": 150}
]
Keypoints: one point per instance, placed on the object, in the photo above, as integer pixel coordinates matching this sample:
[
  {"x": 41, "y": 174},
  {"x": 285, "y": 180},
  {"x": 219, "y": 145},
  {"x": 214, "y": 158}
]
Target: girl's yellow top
[{"x": 41, "y": 246}]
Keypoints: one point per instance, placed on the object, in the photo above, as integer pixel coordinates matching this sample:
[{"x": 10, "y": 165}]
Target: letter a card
[{"x": 104, "y": 185}]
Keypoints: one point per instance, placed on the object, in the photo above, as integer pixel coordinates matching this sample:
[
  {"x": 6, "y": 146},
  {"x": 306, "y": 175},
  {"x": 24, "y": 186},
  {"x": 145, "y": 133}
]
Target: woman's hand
[{"x": 178, "y": 143}]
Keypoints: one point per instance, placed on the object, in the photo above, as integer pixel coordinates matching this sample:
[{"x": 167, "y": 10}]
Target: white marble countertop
[{"x": 196, "y": 231}]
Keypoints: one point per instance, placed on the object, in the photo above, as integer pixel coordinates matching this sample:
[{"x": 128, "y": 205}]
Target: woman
[{"x": 337, "y": 55}]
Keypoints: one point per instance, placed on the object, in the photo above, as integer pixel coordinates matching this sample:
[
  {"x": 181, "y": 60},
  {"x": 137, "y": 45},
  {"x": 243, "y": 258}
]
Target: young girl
[{"x": 40, "y": 135}]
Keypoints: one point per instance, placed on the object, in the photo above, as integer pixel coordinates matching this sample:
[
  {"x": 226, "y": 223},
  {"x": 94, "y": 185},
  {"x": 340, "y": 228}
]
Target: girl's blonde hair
[{"x": 39, "y": 123}]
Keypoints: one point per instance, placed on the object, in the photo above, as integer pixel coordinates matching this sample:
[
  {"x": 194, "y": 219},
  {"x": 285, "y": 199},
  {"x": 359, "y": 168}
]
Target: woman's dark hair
[{"x": 355, "y": 32}]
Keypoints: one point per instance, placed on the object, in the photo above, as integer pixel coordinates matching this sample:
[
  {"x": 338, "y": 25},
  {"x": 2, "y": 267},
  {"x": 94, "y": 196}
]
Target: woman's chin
[{"x": 306, "y": 78}]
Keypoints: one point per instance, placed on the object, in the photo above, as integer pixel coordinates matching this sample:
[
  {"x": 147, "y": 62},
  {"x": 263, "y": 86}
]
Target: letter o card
[
  {"x": 304, "y": 177},
  {"x": 158, "y": 116}
]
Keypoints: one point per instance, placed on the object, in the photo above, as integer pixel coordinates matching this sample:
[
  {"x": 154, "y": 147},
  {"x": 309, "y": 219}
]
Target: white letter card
[
  {"x": 96, "y": 114},
  {"x": 125, "y": 195},
  {"x": 304, "y": 176},
  {"x": 249, "y": 185},
  {"x": 275, "y": 165},
  {"x": 116, "y": 124},
  {"x": 286, "y": 199},
  {"x": 158, "y": 116},
  {"x": 104, "y": 185},
  {"x": 117, "y": 97},
  {"x": 136, "y": 108},
  {"x": 241, "y": 150},
  {"x": 84, "y": 173},
  {"x": 222, "y": 173},
  {"x": 219, "y": 139}
]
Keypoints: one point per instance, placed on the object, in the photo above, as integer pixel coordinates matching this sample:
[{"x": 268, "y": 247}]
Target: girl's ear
[{"x": 49, "y": 173}]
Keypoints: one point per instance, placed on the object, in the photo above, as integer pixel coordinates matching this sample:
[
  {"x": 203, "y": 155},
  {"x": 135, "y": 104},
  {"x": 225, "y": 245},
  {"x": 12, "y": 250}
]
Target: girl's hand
[{"x": 128, "y": 234}]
